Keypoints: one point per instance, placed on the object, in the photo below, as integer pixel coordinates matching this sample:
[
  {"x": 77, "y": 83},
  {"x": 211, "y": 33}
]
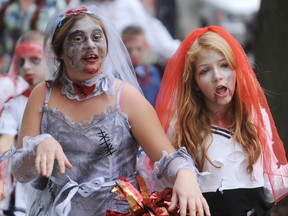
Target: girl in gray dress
[{"x": 82, "y": 127}]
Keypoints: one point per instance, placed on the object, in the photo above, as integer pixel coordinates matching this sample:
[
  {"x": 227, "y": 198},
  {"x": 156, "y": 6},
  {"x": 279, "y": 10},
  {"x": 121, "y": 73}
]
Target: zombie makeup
[
  {"x": 29, "y": 58},
  {"x": 85, "y": 48},
  {"x": 215, "y": 79}
]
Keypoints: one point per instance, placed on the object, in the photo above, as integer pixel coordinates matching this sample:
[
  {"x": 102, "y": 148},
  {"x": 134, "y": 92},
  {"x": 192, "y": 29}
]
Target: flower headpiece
[{"x": 72, "y": 12}]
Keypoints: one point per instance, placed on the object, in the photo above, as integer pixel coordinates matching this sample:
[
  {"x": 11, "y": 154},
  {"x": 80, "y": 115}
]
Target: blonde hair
[
  {"x": 33, "y": 36},
  {"x": 194, "y": 123},
  {"x": 132, "y": 31}
]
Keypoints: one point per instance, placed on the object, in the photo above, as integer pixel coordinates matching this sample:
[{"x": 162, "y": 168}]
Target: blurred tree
[
  {"x": 271, "y": 58},
  {"x": 166, "y": 12}
]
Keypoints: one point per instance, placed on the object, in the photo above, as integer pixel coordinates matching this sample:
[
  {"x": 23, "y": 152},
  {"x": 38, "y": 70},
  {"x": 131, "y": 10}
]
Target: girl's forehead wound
[{"x": 29, "y": 49}]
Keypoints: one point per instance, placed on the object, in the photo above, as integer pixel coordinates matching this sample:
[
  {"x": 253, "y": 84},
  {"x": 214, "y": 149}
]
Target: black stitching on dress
[{"x": 108, "y": 147}]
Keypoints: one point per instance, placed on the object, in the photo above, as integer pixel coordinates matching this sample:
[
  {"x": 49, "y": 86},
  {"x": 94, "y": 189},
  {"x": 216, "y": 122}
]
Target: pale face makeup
[
  {"x": 84, "y": 50},
  {"x": 31, "y": 63},
  {"x": 215, "y": 79}
]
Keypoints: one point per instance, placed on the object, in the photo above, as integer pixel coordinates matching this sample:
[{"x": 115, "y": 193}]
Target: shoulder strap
[
  {"x": 47, "y": 93},
  {"x": 119, "y": 96}
]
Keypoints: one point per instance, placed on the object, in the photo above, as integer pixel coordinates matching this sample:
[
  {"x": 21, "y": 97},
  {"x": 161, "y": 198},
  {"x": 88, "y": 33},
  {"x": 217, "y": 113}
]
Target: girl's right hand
[
  {"x": 3, "y": 190},
  {"x": 187, "y": 194},
  {"x": 48, "y": 151}
]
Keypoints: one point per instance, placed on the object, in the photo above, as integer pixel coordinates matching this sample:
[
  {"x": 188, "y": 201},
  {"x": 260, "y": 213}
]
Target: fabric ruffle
[
  {"x": 169, "y": 164},
  {"x": 103, "y": 83}
]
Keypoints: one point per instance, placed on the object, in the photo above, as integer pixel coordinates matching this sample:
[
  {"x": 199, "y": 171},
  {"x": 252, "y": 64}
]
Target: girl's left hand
[
  {"x": 3, "y": 180},
  {"x": 187, "y": 193},
  {"x": 49, "y": 151}
]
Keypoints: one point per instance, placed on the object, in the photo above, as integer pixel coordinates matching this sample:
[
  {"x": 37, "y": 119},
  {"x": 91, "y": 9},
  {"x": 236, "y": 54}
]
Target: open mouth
[
  {"x": 221, "y": 90},
  {"x": 91, "y": 57}
]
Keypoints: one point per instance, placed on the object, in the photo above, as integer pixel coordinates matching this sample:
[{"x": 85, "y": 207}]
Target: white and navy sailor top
[{"x": 230, "y": 163}]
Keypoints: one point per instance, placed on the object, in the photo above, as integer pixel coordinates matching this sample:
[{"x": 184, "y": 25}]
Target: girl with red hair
[{"x": 211, "y": 103}]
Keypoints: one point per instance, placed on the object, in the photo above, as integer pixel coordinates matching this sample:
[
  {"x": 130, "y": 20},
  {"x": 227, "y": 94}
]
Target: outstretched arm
[{"x": 148, "y": 132}]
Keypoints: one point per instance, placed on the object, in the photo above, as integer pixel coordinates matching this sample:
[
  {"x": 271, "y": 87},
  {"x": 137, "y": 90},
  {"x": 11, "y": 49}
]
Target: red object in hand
[{"x": 142, "y": 204}]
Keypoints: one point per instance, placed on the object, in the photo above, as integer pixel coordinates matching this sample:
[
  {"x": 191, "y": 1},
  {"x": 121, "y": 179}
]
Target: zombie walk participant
[
  {"x": 81, "y": 129},
  {"x": 211, "y": 103},
  {"x": 30, "y": 64}
]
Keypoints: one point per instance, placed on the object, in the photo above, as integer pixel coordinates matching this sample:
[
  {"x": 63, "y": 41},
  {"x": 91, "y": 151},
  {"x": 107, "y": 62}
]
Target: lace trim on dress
[
  {"x": 85, "y": 123},
  {"x": 103, "y": 83}
]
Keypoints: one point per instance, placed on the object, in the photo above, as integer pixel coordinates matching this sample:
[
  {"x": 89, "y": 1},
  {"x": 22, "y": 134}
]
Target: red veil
[{"x": 250, "y": 93}]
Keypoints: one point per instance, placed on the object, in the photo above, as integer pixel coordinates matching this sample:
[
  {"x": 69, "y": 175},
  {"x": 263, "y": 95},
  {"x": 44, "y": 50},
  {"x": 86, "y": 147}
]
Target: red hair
[{"x": 249, "y": 91}]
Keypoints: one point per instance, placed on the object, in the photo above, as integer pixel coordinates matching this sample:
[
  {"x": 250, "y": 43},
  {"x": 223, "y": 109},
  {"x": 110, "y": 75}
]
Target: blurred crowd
[
  {"x": 149, "y": 29},
  {"x": 157, "y": 18}
]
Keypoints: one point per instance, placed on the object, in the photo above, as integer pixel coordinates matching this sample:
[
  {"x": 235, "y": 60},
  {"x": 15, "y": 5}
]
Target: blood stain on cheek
[
  {"x": 71, "y": 60},
  {"x": 230, "y": 93},
  {"x": 73, "y": 54},
  {"x": 215, "y": 97}
]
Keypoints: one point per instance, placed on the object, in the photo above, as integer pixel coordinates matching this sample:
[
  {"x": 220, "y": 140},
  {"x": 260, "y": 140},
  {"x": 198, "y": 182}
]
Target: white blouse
[
  {"x": 12, "y": 114},
  {"x": 231, "y": 162}
]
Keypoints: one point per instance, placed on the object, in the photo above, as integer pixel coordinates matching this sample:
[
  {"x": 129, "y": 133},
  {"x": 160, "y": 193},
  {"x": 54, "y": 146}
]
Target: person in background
[
  {"x": 19, "y": 16},
  {"x": 30, "y": 64},
  {"x": 82, "y": 128},
  {"x": 148, "y": 75},
  {"x": 211, "y": 102},
  {"x": 11, "y": 85}
]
